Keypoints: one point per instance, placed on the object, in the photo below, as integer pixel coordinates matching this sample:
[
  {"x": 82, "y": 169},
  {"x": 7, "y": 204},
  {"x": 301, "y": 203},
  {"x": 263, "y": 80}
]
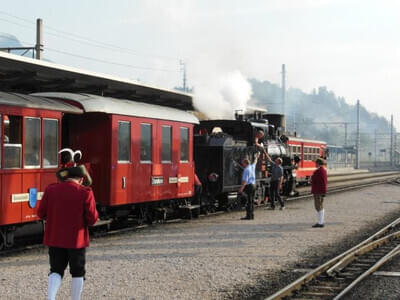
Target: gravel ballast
[{"x": 217, "y": 257}]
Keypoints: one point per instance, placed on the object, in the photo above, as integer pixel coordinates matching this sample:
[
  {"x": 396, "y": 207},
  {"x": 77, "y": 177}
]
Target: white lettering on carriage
[
  {"x": 173, "y": 180},
  {"x": 183, "y": 179},
  {"x": 17, "y": 198}
]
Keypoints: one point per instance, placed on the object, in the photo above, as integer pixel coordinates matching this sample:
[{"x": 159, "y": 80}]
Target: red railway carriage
[
  {"x": 30, "y": 138},
  {"x": 308, "y": 151},
  {"x": 137, "y": 152}
]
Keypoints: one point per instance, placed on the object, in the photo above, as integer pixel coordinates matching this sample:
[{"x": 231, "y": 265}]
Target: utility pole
[
  {"x": 183, "y": 64},
  {"x": 357, "y": 166},
  {"x": 345, "y": 134},
  {"x": 38, "y": 48},
  {"x": 375, "y": 148},
  {"x": 39, "y": 38},
  {"x": 283, "y": 85},
  {"x": 391, "y": 141},
  {"x": 283, "y": 91},
  {"x": 394, "y": 148}
]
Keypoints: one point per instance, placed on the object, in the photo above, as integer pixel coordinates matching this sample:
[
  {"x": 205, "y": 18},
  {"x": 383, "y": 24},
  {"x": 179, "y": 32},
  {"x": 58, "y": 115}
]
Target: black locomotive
[{"x": 221, "y": 145}]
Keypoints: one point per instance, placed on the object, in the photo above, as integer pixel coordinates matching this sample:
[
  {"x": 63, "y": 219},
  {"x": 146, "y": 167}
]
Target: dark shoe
[
  {"x": 245, "y": 218},
  {"x": 318, "y": 225}
]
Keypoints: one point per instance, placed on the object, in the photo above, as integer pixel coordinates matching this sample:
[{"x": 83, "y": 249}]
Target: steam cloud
[{"x": 219, "y": 97}]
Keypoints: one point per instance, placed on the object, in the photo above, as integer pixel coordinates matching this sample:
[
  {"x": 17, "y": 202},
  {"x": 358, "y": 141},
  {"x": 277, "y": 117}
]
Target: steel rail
[
  {"x": 300, "y": 282},
  {"x": 371, "y": 270},
  {"x": 348, "y": 259},
  {"x": 344, "y": 188}
]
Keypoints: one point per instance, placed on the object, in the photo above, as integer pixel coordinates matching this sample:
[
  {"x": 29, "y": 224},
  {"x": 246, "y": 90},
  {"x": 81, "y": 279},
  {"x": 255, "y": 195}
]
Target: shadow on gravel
[
  {"x": 22, "y": 262},
  {"x": 269, "y": 283}
]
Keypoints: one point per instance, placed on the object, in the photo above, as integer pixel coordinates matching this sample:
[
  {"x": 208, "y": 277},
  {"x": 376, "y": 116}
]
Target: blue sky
[{"x": 352, "y": 47}]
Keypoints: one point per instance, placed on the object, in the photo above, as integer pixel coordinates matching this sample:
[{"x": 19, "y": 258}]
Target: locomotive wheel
[
  {"x": 6, "y": 238},
  {"x": 2, "y": 240},
  {"x": 9, "y": 238}
]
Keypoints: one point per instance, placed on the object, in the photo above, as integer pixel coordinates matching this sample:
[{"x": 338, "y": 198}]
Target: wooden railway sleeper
[
  {"x": 318, "y": 294},
  {"x": 353, "y": 269},
  {"x": 347, "y": 275},
  {"x": 301, "y": 298},
  {"x": 361, "y": 265},
  {"x": 366, "y": 261},
  {"x": 315, "y": 288}
]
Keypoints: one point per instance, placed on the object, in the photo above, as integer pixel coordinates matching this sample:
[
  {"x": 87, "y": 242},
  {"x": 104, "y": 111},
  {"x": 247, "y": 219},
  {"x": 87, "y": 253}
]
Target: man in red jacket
[
  {"x": 68, "y": 208},
  {"x": 319, "y": 184}
]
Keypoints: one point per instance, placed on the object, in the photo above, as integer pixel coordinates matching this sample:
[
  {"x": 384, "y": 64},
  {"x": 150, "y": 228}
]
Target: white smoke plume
[{"x": 219, "y": 96}]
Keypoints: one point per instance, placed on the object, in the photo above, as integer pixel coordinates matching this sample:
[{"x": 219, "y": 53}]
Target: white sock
[
  {"x": 53, "y": 285},
  {"x": 76, "y": 288},
  {"x": 322, "y": 212}
]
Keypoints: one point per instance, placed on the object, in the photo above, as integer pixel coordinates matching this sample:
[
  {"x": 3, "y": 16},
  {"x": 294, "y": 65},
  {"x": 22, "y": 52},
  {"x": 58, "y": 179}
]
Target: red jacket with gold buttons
[
  {"x": 68, "y": 208},
  {"x": 319, "y": 181}
]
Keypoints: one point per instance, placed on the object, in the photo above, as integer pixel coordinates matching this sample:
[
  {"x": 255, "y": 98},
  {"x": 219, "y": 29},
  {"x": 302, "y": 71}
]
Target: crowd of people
[{"x": 318, "y": 182}]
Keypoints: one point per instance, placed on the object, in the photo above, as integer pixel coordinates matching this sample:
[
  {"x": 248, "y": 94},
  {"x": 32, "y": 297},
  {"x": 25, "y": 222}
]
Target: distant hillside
[{"x": 321, "y": 106}]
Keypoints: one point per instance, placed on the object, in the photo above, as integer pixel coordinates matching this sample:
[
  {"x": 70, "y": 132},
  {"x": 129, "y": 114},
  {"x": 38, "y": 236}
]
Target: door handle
[{"x": 123, "y": 182}]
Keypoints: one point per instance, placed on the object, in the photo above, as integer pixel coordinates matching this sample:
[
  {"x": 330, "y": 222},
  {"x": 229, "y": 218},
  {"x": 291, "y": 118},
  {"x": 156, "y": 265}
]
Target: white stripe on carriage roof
[
  {"x": 27, "y": 101},
  {"x": 94, "y": 103}
]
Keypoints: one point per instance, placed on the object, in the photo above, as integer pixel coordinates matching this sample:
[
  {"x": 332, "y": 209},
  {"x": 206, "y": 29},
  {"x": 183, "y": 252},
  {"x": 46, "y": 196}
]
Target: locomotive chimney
[{"x": 277, "y": 120}]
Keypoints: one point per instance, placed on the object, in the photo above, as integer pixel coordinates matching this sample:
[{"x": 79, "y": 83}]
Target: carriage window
[
  {"x": 145, "y": 144},
  {"x": 12, "y": 141},
  {"x": 166, "y": 151},
  {"x": 32, "y": 143},
  {"x": 50, "y": 143},
  {"x": 124, "y": 141},
  {"x": 184, "y": 144}
]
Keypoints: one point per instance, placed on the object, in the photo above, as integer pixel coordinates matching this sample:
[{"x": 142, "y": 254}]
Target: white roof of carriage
[
  {"x": 27, "y": 101},
  {"x": 94, "y": 103}
]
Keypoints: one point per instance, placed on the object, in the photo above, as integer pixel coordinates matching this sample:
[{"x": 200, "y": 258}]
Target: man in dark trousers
[
  {"x": 276, "y": 181},
  {"x": 68, "y": 208},
  {"x": 319, "y": 184},
  {"x": 248, "y": 187}
]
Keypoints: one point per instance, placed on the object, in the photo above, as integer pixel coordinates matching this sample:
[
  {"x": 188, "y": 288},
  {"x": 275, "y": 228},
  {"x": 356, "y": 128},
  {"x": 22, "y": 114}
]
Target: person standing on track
[
  {"x": 68, "y": 208},
  {"x": 319, "y": 185},
  {"x": 248, "y": 187}
]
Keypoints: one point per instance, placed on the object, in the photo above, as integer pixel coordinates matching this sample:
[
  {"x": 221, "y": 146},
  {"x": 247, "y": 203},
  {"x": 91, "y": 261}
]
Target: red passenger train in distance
[{"x": 307, "y": 151}]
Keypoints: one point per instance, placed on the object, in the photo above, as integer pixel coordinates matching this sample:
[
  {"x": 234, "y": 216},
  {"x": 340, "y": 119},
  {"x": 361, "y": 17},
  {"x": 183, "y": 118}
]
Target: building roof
[
  {"x": 94, "y": 103},
  {"x": 27, "y": 75},
  {"x": 27, "y": 101}
]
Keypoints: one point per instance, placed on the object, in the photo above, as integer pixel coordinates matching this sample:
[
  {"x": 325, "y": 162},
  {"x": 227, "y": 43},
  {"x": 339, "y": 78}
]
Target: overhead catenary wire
[
  {"x": 83, "y": 39},
  {"x": 91, "y": 42},
  {"x": 109, "y": 62}
]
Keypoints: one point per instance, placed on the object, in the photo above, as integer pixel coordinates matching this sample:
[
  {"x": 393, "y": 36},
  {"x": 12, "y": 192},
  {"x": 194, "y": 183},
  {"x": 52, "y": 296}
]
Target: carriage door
[
  {"x": 122, "y": 179},
  {"x": 186, "y": 166}
]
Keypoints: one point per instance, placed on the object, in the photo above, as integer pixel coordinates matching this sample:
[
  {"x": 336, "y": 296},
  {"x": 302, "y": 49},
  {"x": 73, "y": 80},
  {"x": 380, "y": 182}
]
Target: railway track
[
  {"x": 107, "y": 228},
  {"x": 343, "y": 183},
  {"x": 335, "y": 278}
]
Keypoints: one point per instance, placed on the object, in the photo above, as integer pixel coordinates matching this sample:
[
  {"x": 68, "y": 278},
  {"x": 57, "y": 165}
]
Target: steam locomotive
[{"x": 221, "y": 145}]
